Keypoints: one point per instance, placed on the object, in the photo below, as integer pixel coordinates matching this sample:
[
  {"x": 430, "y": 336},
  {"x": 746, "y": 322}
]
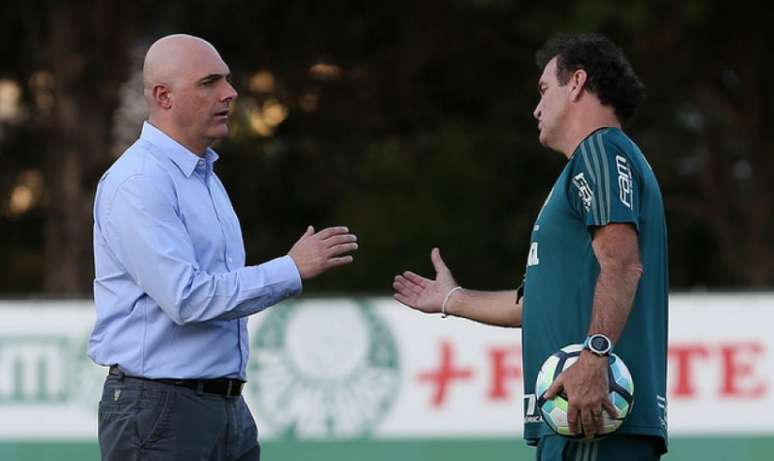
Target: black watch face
[{"x": 599, "y": 343}]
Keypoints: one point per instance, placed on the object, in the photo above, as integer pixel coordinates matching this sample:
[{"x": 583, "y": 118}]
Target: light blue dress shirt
[{"x": 171, "y": 288}]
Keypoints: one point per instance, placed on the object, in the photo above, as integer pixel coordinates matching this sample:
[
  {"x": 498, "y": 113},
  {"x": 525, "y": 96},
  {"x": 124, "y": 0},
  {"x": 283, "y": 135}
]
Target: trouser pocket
[
  {"x": 154, "y": 413},
  {"x": 133, "y": 415}
]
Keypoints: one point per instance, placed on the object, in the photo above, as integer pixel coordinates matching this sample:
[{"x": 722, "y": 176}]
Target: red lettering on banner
[
  {"x": 684, "y": 357},
  {"x": 733, "y": 364},
  {"x": 444, "y": 374},
  {"x": 737, "y": 365},
  {"x": 501, "y": 371}
]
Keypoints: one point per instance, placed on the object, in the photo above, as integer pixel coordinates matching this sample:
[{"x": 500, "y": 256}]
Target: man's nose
[{"x": 230, "y": 93}]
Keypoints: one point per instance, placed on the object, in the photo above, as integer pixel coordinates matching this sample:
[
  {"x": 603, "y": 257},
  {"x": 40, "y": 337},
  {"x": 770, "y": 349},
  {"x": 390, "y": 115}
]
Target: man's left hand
[{"x": 585, "y": 384}]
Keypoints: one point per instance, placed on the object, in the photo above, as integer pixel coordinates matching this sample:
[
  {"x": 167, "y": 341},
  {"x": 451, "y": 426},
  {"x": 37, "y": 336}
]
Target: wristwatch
[{"x": 598, "y": 344}]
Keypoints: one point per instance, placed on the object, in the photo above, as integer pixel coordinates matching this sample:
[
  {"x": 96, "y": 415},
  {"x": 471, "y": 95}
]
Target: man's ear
[
  {"x": 577, "y": 84},
  {"x": 162, "y": 96}
]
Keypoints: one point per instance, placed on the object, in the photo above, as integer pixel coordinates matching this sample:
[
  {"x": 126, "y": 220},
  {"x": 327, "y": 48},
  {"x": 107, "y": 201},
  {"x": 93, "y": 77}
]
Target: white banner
[{"x": 352, "y": 367}]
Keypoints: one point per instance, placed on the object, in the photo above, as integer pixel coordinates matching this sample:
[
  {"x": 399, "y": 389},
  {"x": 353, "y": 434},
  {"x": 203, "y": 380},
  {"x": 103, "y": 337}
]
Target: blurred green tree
[
  {"x": 69, "y": 59},
  {"x": 411, "y": 122}
]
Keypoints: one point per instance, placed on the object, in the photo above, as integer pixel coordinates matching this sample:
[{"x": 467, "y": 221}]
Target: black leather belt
[{"x": 223, "y": 386}]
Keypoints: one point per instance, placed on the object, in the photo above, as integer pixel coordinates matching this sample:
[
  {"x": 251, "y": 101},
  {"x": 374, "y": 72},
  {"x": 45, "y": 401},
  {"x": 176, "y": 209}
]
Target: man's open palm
[{"x": 421, "y": 293}]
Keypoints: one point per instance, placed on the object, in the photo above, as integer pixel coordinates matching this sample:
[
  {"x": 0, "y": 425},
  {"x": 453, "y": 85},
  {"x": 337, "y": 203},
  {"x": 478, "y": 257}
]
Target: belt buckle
[{"x": 233, "y": 389}]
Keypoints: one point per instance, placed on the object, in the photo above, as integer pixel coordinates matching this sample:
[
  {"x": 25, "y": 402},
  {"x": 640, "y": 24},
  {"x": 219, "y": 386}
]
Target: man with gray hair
[{"x": 171, "y": 287}]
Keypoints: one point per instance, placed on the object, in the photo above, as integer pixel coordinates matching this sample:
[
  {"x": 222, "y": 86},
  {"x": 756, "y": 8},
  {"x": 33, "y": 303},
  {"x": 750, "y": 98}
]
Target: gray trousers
[{"x": 141, "y": 420}]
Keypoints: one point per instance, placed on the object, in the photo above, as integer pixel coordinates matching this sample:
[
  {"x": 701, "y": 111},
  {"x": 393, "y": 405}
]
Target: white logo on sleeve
[
  {"x": 532, "y": 259},
  {"x": 624, "y": 181},
  {"x": 584, "y": 190}
]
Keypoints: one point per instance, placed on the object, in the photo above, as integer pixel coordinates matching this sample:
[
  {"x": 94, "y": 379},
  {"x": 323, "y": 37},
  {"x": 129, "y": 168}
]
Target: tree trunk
[{"x": 88, "y": 55}]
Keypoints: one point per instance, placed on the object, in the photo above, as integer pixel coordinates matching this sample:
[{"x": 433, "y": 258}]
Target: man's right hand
[
  {"x": 315, "y": 253},
  {"x": 421, "y": 293}
]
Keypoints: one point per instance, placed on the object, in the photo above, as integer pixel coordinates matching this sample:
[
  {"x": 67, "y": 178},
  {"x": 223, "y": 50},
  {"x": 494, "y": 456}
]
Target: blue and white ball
[{"x": 554, "y": 411}]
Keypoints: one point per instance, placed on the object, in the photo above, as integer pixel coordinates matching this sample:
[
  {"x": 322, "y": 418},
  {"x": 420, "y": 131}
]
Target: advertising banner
[{"x": 354, "y": 368}]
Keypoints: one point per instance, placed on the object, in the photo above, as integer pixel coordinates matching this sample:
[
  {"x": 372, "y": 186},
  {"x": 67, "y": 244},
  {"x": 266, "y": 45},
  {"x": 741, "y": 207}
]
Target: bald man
[{"x": 171, "y": 287}]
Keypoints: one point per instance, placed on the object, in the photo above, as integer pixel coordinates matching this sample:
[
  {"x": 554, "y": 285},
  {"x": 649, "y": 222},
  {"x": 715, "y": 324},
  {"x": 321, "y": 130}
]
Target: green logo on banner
[
  {"x": 323, "y": 369},
  {"x": 34, "y": 369},
  {"x": 45, "y": 370}
]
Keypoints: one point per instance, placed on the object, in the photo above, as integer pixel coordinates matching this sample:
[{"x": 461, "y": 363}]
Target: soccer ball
[{"x": 554, "y": 411}]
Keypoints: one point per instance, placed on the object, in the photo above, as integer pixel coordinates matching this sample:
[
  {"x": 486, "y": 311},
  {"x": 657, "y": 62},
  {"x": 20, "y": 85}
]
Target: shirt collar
[{"x": 177, "y": 153}]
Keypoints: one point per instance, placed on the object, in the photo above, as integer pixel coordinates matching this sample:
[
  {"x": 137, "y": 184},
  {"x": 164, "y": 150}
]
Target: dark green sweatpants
[{"x": 613, "y": 448}]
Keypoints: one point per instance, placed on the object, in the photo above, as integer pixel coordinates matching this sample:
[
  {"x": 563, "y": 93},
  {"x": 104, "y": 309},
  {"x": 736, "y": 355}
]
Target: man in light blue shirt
[{"x": 171, "y": 289}]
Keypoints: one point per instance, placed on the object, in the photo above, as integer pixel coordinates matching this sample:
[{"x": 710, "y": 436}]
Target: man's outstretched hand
[
  {"x": 315, "y": 253},
  {"x": 421, "y": 293}
]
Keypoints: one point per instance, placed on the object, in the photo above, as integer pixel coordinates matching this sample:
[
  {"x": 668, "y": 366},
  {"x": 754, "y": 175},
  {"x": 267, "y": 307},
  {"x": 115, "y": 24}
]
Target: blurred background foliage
[{"x": 408, "y": 121}]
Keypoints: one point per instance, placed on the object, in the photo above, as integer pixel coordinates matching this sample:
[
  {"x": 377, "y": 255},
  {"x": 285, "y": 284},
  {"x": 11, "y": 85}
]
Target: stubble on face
[
  {"x": 199, "y": 92},
  {"x": 550, "y": 109},
  {"x": 203, "y": 101}
]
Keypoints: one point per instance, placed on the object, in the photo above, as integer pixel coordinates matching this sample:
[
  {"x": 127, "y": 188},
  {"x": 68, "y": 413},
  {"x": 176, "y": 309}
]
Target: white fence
[{"x": 348, "y": 367}]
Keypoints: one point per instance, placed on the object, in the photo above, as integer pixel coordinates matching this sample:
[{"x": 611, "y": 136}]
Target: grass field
[{"x": 681, "y": 449}]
